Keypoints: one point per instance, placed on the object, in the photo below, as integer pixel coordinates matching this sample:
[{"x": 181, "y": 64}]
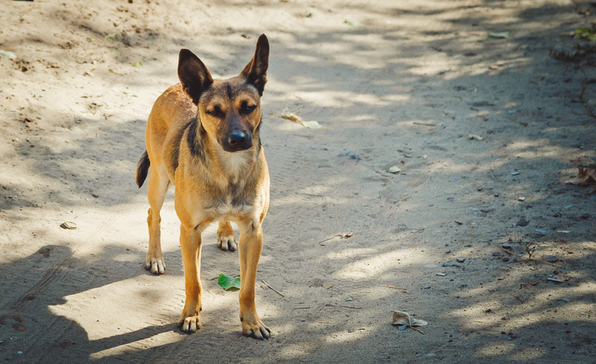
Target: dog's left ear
[
  {"x": 255, "y": 71},
  {"x": 193, "y": 75}
]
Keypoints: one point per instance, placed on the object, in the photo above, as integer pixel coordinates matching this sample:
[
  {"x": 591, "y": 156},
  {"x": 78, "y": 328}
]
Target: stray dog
[{"x": 203, "y": 136}]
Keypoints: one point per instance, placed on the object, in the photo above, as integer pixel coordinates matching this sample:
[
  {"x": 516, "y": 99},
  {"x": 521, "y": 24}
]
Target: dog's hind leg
[
  {"x": 225, "y": 236},
  {"x": 156, "y": 193}
]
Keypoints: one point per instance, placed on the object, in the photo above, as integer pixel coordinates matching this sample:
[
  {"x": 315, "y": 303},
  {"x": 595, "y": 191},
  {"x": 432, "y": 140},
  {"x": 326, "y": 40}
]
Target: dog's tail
[{"x": 142, "y": 169}]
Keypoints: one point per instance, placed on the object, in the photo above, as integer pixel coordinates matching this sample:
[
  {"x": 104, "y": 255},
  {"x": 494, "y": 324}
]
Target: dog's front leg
[
  {"x": 251, "y": 243},
  {"x": 190, "y": 243}
]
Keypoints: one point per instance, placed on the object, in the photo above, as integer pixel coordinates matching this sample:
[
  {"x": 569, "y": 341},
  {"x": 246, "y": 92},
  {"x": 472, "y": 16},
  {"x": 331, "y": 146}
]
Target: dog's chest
[{"x": 228, "y": 207}]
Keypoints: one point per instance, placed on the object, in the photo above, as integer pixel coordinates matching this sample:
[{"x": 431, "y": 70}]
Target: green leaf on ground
[
  {"x": 354, "y": 23},
  {"x": 228, "y": 283},
  {"x": 499, "y": 35}
]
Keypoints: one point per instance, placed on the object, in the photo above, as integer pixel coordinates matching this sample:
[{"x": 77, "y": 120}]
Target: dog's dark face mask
[{"x": 229, "y": 110}]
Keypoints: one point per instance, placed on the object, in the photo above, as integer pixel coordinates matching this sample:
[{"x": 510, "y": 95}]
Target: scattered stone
[
  {"x": 448, "y": 251},
  {"x": 521, "y": 198},
  {"x": 441, "y": 274},
  {"x": 7, "y": 54},
  {"x": 450, "y": 265},
  {"x": 551, "y": 258},
  {"x": 522, "y": 222},
  {"x": 69, "y": 225},
  {"x": 506, "y": 246},
  {"x": 496, "y": 254},
  {"x": 394, "y": 169},
  {"x": 554, "y": 280},
  {"x": 461, "y": 260}
]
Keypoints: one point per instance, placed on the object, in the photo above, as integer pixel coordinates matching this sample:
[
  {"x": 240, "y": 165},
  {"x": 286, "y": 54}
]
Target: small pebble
[
  {"x": 522, "y": 222},
  {"x": 496, "y": 254},
  {"x": 441, "y": 274},
  {"x": 461, "y": 260},
  {"x": 521, "y": 198}
]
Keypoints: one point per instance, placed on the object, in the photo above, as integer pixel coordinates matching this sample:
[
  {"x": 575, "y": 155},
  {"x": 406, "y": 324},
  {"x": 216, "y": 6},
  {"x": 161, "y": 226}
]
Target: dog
[{"x": 203, "y": 137}]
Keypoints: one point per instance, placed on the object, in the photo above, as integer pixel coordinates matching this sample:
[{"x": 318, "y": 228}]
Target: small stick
[
  {"x": 273, "y": 289},
  {"x": 517, "y": 298},
  {"x": 332, "y": 305},
  {"x": 423, "y": 124},
  {"x": 403, "y": 289},
  {"x": 412, "y": 327},
  {"x": 345, "y": 236},
  {"x": 302, "y": 308}
]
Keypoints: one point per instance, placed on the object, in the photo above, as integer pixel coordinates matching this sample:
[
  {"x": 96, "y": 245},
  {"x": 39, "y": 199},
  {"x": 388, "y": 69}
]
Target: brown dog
[{"x": 203, "y": 137}]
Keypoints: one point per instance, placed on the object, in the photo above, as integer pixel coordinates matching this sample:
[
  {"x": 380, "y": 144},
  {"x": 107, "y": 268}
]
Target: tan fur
[{"x": 212, "y": 183}]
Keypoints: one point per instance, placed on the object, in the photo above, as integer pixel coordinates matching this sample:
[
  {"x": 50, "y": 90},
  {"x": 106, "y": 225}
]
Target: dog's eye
[
  {"x": 215, "y": 112},
  {"x": 248, "y": 109}
]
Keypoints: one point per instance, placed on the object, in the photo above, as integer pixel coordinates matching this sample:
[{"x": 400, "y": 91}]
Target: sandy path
[{"x": 397, "y": 84}]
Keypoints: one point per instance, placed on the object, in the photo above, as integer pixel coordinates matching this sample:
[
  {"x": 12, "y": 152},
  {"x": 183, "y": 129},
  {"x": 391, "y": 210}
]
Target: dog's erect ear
[
  {"x": 193, "y": 75},
  {"x": 255, "y": 71}
]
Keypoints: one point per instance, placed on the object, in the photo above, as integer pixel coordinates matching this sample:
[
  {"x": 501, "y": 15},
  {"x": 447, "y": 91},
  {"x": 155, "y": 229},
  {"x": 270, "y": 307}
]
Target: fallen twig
[
  {"x": 343, "y": 236},
  {"x": 412, "y": 327},
  {"x": 517, "y": 298},
  {"x": 423, "y": 124},
  {"x": 273, "y": 289},
  {"x": 394, "y": 287},
  {"x": 342, "y": 306}
]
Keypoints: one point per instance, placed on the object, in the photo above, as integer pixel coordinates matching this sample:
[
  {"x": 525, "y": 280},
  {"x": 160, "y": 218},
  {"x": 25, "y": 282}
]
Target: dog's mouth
[{"x": 236, "y": 141}]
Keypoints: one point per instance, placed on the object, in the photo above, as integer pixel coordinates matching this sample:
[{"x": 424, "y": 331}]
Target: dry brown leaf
[{"x": 585, "y": 177}]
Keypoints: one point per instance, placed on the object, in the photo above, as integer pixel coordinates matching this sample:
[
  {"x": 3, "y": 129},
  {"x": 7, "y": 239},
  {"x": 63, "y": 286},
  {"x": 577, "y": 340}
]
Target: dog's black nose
[{"x": 237, "y": 138}]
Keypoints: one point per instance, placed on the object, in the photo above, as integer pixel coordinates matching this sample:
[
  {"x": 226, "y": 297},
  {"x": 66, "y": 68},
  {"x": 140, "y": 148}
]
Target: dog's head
[{"x": 229, "y": 110}]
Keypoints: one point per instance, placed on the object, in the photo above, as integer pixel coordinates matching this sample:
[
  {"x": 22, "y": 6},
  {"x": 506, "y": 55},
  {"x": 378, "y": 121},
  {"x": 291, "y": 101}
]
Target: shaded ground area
[{"x": 484, "y": 132}]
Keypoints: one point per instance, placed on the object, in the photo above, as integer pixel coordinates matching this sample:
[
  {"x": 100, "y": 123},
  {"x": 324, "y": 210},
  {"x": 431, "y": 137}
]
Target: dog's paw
[
  {"x": 189, "y": 324},
  {"x": 255, "y": 329},
  {"x": 227, "y": 242},
  {"x": 155, "y": 265}
]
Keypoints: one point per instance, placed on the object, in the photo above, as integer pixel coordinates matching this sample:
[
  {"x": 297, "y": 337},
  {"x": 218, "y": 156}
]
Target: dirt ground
[{"x": 401, "y": 83}]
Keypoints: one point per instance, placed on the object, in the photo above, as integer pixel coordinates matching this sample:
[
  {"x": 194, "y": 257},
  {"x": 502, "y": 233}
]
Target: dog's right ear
[{"x": 193, "y": 75}]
